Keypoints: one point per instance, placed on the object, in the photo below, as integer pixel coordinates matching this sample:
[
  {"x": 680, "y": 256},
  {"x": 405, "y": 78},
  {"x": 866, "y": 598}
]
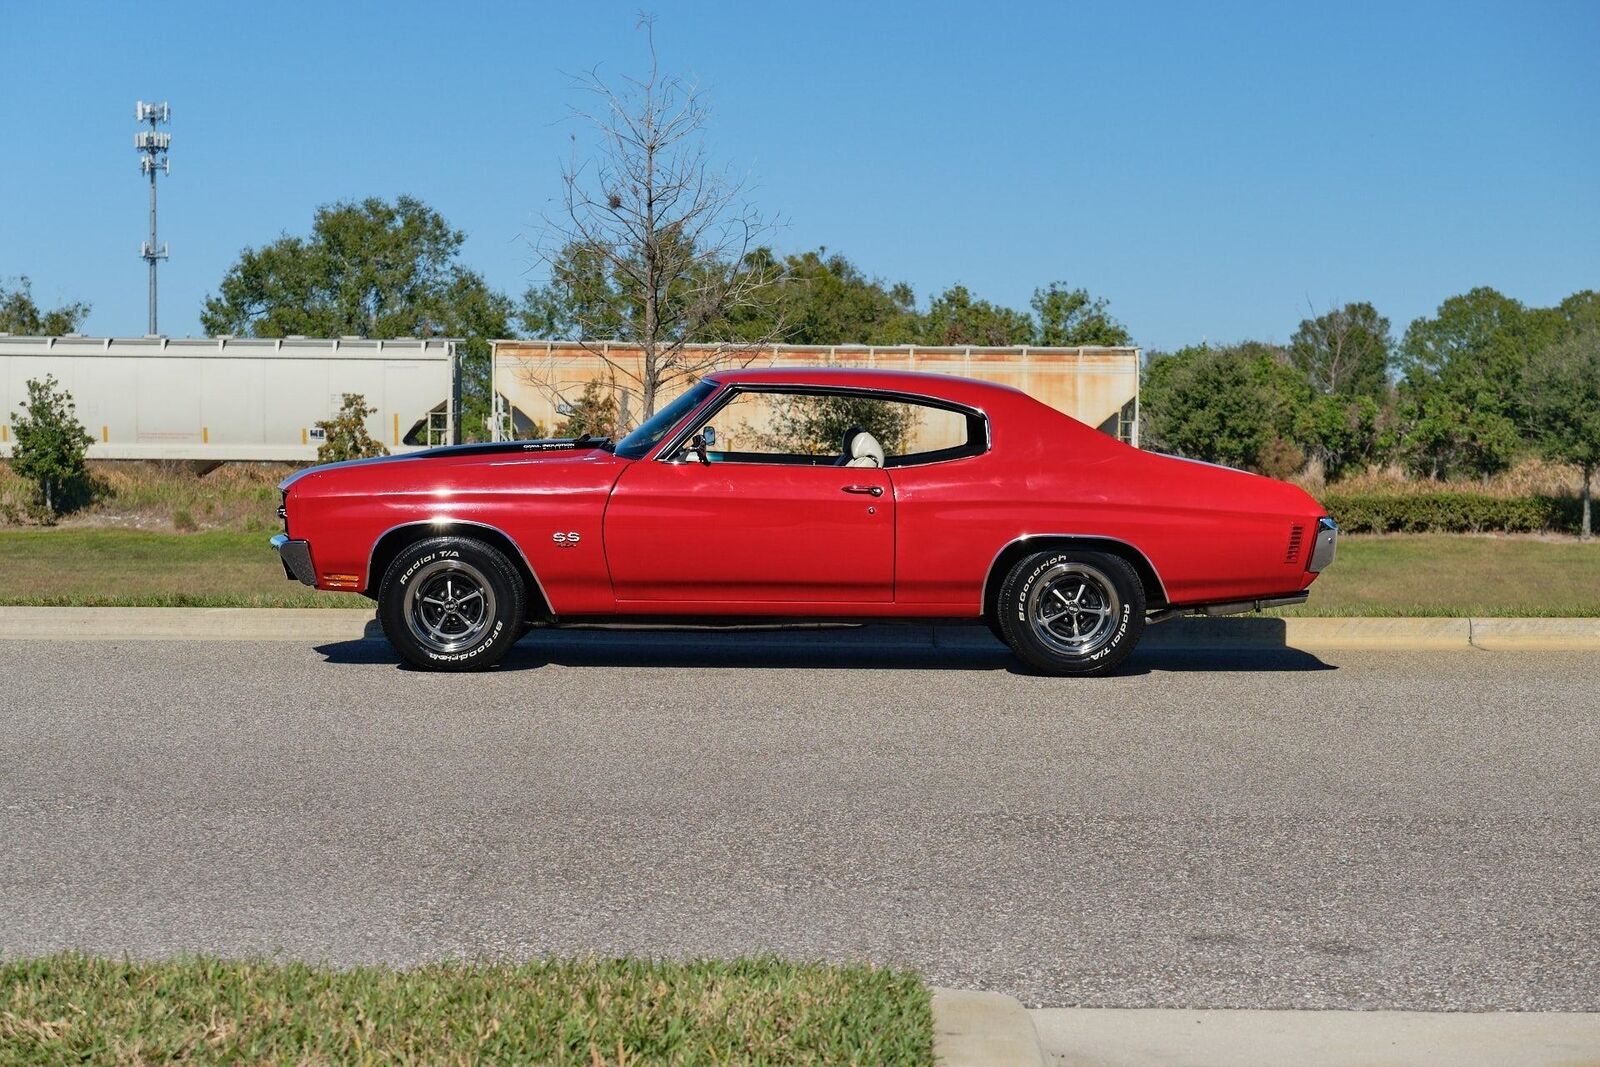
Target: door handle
[{"x": 870, "y": 490}]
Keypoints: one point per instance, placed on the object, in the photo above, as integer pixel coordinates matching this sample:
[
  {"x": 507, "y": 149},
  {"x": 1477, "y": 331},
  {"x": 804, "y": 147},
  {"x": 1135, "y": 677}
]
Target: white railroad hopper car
[
  {"x": 536, "y": 381},
  {"x": 232, "y": 398}
]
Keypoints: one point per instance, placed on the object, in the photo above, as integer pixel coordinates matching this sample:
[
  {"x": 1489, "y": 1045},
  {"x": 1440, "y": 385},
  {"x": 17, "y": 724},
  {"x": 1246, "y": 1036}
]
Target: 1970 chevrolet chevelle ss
[{"x": 809, "y": 494}]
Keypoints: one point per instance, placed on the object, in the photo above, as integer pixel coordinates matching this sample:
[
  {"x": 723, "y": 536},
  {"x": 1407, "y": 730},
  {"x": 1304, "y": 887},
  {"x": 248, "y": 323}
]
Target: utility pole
[{"x": 152, "y": 147}]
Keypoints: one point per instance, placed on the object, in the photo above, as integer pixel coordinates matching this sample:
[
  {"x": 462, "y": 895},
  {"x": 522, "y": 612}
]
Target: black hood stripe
[
  {"x": 495, "y": 448},
  {"x": 486, "y": 448}
]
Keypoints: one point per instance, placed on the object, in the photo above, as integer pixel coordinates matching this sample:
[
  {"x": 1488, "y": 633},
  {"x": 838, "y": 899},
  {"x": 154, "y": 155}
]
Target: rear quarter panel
[{"x": 1210, "y": 533}]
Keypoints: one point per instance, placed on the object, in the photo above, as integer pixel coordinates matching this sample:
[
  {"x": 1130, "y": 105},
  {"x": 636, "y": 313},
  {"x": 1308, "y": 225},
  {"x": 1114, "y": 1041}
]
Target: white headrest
[{"x": 865, "y": 451}]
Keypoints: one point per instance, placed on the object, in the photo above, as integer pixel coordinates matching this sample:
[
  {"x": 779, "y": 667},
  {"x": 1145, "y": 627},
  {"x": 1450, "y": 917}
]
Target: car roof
[{"x": 970, "y": 391}]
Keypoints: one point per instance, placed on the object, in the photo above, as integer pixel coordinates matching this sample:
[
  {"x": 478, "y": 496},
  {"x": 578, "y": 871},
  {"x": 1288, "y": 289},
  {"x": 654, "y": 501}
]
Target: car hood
[{"x": 463, "y": 455}]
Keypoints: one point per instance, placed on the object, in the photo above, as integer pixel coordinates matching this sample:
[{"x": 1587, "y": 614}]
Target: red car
[{"x": 806, "y": 494}]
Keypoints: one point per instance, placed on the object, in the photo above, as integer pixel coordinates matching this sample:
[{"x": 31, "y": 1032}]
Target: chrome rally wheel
[
  {"x": 1074, "y": 608},
  {"x": 452, "y": 604},
  {"x": 1068, "y": 611},
  {"x": 449, "y": 605}
]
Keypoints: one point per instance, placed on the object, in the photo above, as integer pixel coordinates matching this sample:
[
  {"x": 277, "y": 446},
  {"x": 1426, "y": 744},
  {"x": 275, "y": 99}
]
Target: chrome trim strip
[
  {"x": 1087, "y": 536},
  {"x": 1325, "y": 546},
  {"x": 671, "y": 441},
  {"x": 445, "y": 524}
]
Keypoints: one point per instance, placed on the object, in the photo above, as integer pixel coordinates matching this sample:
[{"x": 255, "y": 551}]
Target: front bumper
[
  {"x": 296, "y": 559},
  {"x": 1326, "y": 544}
]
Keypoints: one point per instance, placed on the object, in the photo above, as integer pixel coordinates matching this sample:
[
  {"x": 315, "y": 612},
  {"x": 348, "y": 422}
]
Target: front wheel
[
  {"x": 1069, "y": 612},
  {"x": 451, "y": 604}
]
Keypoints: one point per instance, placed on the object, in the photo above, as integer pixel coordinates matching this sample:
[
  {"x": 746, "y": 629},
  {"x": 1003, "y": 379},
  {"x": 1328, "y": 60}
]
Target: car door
[{"x": 752, "y": 526}]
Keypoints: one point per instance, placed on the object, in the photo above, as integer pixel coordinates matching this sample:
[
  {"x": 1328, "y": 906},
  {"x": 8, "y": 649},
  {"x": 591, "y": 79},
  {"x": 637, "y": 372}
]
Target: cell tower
[{"x": 152, "y": 146}]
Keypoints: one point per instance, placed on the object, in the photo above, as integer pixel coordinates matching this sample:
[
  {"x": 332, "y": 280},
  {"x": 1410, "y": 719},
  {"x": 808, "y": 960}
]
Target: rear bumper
[
  {"x": 1324, "y": 547},
  {"x": 296, "y": 559}
]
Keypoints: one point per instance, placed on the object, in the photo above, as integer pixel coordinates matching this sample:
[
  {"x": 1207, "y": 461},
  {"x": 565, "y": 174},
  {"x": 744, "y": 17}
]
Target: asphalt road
[{"x": 1247, "y": 830}]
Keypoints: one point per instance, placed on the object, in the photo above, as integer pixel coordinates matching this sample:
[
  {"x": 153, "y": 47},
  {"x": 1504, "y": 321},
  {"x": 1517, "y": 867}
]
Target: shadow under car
[{"x": 1257, "y": 646}]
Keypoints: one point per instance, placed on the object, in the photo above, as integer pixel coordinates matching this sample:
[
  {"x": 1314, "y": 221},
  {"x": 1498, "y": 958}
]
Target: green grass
[
  {"x": 76, "y": 1009},
  {"x": 1399, "y": 574},
  {"x": 1458, "y": 575},
  {"x": 102, "y": 567}
]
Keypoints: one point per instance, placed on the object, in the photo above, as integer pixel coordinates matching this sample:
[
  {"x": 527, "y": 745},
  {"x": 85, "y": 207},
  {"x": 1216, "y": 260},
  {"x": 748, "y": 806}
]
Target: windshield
[{"x": 639, "y": 443}]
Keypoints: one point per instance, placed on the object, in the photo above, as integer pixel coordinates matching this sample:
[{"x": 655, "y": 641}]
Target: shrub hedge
[{"x": 1451, "y": 512}]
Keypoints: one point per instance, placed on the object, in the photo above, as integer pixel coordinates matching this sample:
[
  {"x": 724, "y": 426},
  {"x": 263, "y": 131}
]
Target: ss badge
[{"x": 568, "y": 539}]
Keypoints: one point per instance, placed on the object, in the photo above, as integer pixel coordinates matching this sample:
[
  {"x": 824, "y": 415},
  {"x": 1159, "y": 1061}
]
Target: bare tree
[{"x": 653, "y": 244}]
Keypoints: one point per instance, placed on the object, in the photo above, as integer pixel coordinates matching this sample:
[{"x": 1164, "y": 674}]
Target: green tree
[
  {"x": 51, "y": 446},
  {"x": 345, "y": 435},
  {"x": 22, "y": 316},
  {"x": 956, "y": 317},
  {"x": 821, "y": 298},
  {"x": 1344, "y": 352},
  {"x": 1461, "y": 394},
  {"x": 1070, "y": 318},
  {"x": 370, "y": 269},
  {"x": 1564, "y": 406},
  {"x": 585, "y": 299},
  {"x": 827, "y": 300},
  {"x": 1341, "y": 432},
  {"x": 1580, "y": 310},
  {"x": 816, "y": 297},
  {"x": 594, "y": 413},
  {"x": 1235, "y": 405}
]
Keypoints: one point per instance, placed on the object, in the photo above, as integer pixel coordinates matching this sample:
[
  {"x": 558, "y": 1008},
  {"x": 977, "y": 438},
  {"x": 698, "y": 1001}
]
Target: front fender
[{"x": 549, "y": 512}]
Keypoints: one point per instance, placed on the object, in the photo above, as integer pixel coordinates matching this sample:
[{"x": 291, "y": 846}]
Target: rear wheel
[
  {"x": 1069, "y": 612},
  {"x": 451, "y": 604}
]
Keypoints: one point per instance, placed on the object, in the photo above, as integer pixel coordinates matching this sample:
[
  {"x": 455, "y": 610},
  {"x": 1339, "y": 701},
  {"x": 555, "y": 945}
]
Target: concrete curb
[
  {"x": 1373, "y": 634},
  {"x": 1536, "y": 635},
  {"x": 1166, "y": 1037},
  {"x": 186, "y": 624},
  {"x": 1251, "y": 632},
  {"x": 972, "y": 1029}
]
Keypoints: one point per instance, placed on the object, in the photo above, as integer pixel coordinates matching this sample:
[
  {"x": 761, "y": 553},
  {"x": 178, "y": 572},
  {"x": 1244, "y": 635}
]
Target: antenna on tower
[{"x": 152, "y": 146}]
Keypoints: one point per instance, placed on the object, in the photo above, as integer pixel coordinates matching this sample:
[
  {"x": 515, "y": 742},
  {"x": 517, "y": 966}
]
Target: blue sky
[{"x": 1213, "y": 169}]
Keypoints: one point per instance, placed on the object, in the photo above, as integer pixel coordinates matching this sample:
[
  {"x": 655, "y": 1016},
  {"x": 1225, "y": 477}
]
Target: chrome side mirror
[
  {"x": 697, "y": 445},
  {"x": 710, "y": 435}
]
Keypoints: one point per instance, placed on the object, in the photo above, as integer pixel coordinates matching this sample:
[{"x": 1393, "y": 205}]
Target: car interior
[{"x": 860, "y": 449}]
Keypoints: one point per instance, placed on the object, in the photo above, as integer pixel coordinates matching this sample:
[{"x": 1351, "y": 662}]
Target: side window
[{"x": 813, "y": 428}]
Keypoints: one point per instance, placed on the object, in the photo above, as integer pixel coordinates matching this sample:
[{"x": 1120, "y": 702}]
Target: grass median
[
  {"x": 1397, "y": 574},
  {"x": 108, "y": 567},
  {"x": 1459, "y": 575},
  {"x": 77, "y": 1009}
]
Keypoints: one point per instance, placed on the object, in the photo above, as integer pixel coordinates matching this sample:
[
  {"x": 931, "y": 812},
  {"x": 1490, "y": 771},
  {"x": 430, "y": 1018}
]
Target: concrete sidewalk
[
  {"x": 973, "y": 1029},
  {"x": 1305, "y": 634},
  {"x": 1115, "y": 1037}
]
